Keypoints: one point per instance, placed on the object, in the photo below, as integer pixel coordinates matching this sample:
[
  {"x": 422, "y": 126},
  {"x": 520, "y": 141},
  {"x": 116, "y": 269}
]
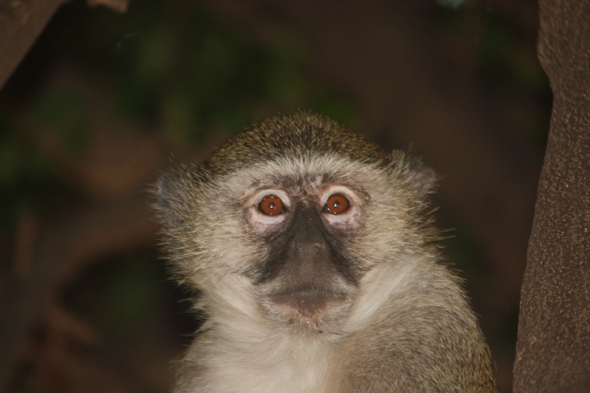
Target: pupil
[
  {"x": 271, "y": 205},
  {"x": 336, "y": 204}
]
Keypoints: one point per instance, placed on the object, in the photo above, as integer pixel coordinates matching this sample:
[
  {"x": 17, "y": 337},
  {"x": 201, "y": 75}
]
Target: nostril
[
  {"x": 317, "y": 246},
  {"x": 309, "y": 248}
]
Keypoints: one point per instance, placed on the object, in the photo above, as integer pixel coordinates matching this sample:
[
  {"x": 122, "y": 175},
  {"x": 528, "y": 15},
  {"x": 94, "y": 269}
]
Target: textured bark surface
[{"x": 553, "y": 350}]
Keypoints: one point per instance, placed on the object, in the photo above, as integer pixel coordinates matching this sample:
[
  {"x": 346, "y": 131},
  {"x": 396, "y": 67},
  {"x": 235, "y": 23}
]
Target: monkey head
[{"x": 291, "y": 221}]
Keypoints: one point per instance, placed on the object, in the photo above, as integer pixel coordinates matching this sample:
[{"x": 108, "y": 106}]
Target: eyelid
[
  {"x": 350, "y": 195},
  {"x": 255, "y": 198}
]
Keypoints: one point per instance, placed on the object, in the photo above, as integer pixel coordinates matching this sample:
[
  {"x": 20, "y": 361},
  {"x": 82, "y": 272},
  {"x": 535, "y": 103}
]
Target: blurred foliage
[
  {"x": 122, "y": 295},
  {"x": 506, "y": 63}
]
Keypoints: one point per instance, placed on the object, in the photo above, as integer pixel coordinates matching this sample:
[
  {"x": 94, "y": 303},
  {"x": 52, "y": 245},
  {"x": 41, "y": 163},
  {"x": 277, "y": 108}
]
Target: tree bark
[
  {"x": 553, "y": 349},
  {"x": 21, "y": 22}
]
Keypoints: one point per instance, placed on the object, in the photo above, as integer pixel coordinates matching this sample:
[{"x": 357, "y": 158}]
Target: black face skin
[{"x": 305, "y": 258}]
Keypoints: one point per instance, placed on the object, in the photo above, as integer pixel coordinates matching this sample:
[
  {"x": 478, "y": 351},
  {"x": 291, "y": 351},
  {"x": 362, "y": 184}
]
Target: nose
[{"x": 308, "y": 248}]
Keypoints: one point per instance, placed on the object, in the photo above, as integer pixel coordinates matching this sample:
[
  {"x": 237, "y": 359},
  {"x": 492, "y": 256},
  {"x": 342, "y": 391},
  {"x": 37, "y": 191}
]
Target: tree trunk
[{"x": 553, "y": 349}]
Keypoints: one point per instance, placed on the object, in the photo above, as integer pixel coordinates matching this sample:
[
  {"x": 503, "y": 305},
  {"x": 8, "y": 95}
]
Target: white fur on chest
[{"x": 273, "y": 364}]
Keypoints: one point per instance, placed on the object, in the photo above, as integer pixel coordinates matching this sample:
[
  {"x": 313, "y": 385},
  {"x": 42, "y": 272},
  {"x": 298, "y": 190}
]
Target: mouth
[{"x": 308, "y": 304}]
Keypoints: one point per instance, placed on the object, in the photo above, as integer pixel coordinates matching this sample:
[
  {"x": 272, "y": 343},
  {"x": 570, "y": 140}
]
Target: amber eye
[
  {"x": 271, "y": 205},
  {"x": 337, "y": 204}
]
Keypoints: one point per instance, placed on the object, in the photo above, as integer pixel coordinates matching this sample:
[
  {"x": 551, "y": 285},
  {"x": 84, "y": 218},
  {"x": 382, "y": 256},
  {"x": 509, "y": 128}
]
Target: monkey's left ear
[{"x": 419, "y": 178}]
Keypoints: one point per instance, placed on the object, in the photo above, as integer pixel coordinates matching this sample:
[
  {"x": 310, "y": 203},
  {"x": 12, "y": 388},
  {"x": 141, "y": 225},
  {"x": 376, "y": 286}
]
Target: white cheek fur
[
  {"x": 261, "y": 222},
  {"x": 349, "y": 220}
]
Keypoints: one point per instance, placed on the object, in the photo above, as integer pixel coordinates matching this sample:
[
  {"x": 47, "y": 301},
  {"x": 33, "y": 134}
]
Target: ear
[
  {"x": 175, "y": 193},
  {"x": 419, "y": 178}
]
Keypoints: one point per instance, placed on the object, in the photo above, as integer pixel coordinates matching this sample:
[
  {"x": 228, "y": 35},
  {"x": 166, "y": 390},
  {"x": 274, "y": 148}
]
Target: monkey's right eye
[{"x": 271, "y": 205}]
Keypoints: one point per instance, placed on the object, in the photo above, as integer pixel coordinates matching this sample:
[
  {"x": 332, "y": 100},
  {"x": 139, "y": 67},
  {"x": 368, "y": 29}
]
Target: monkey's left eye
[
  {"x": 271, "y": 205},
  {"x": 336, "y": 204}
]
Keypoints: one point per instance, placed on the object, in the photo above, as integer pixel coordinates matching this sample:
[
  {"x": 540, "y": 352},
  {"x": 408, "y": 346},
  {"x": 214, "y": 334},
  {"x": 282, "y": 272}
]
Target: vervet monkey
[{"x": 316, "y": 268}]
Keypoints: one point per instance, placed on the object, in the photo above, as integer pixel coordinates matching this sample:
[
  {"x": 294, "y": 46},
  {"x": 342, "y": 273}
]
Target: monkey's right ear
[
  {"x": 419, "y": 178},
  {"x": 176, "y": 193}
]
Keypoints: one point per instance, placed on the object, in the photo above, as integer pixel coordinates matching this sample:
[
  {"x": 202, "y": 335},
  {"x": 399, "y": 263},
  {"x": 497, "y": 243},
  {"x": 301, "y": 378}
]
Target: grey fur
[{"x": 402, "y": 323}]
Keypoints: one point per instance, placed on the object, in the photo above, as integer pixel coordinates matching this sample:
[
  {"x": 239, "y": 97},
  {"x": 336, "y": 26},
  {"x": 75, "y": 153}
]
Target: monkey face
[
  {"x": 295, "y": 240},
  {"x": 305, "y": 277},
  {"x": 298, "y": 231}
]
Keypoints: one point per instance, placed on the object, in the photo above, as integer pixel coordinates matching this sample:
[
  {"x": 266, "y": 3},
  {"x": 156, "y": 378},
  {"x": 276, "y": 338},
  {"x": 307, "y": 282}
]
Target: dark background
[{"x": 103, "y": 100}]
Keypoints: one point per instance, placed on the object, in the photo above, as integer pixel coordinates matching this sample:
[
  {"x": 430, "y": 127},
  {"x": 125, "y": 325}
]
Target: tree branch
[{"x": 21, "y": 22}]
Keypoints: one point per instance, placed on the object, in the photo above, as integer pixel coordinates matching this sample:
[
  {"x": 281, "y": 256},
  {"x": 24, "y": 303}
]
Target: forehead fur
[
  {"x": 298, "y": 135},
  {"x": 304, "y": 173}
]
